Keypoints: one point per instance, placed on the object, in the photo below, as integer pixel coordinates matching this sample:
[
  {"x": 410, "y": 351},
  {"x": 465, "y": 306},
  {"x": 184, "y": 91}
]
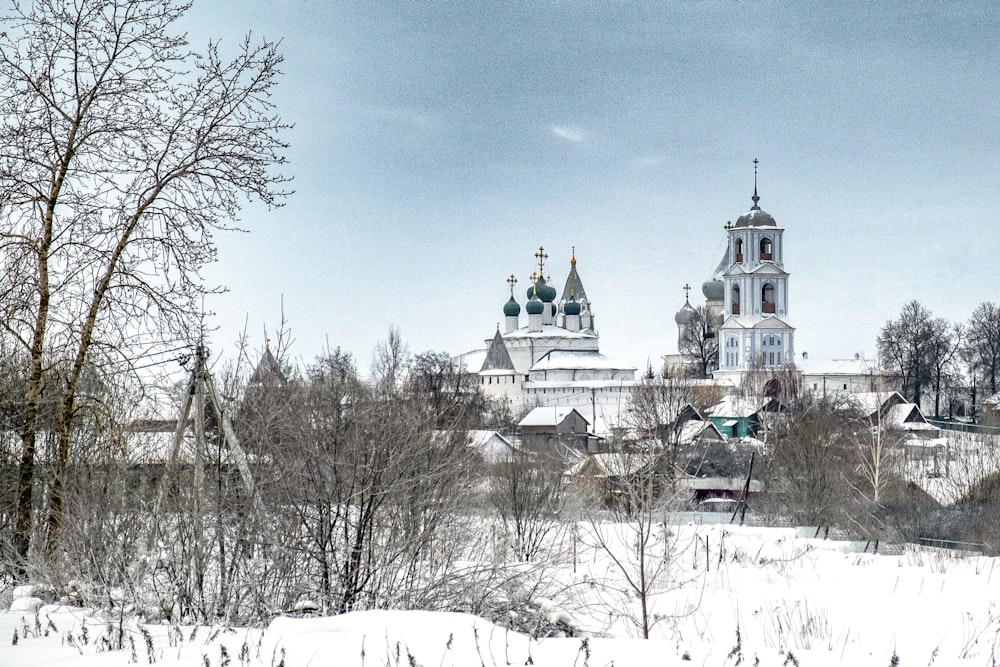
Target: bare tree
[
  {"x": 943, "y": 352},
  {"x": 121, "y": 152},
  {"x": 636, "y": 537},
  {"x": 373, "y": 491},
  {"x": 699, "y": 342},
  {"x": 904, "y": 347},
  {"x": 810, "y": 460},
  {"x": 390, "y": 362},
  {"x": 982, "y": 345},
  {"x": 656, "y": 412},
  {"x": 452, "y": 395},
  {"x": 528, "y": 496}
]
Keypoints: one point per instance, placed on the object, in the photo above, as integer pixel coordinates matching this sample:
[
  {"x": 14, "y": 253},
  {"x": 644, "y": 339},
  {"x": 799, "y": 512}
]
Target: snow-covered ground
[{"x": 730, "y": 596}]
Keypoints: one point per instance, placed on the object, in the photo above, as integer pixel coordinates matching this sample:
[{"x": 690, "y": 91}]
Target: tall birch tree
[{"x": 122, "y": 152}]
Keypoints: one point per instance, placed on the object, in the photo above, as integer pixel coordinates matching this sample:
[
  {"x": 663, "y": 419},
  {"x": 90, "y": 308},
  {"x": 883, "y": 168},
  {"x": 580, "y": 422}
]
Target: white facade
[
  {"x": 552, "y": 357},
  {"x": 755, "y": 332}
]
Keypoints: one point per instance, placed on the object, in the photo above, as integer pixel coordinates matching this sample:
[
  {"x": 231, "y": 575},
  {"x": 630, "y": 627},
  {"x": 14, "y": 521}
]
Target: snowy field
[{"x": 729, "y": 596}]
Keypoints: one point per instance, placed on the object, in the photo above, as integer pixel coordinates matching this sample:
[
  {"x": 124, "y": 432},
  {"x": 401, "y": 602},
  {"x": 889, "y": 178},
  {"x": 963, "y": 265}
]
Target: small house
[{"x": 544, "y": 428}]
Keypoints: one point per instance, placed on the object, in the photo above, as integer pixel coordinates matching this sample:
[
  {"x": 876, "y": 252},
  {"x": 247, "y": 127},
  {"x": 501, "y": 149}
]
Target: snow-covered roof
[
  {"x": 737, "y": 406},
  {"x": 619, "y": 463},
  {"x": 870, "y": 402},
  {"x": 907, "y": 416},
  {"x": 481, "y": 437},
  {"x": 857, "y": 366},
  {"x": 694, "y": 429},
  {"x": 549, "y": 416},
  {"x": 491, "y": 445},
  {"x": 471, "y": 361},
  {"x": 550, "y": 331},
  {"x": 721, "y": 484},
  {"x": 577, "y": 360}
]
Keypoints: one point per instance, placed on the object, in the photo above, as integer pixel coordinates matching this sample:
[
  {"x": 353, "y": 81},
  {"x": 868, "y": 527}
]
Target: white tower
[{"x": 755, "y": 332}]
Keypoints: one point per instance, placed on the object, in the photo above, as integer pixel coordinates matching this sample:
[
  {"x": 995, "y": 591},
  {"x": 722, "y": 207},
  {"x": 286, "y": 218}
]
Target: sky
[{"x": 437, "y": 145}]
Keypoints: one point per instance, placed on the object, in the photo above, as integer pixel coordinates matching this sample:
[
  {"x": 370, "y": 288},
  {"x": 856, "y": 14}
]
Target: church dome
[
  {"x": 535, "y": 305},
  {"x": 572, "y": 307},
  {"x": 756, "y": 217},
  {"x": 511, "y": 308},
  {"x": 685, "y": 314},
  {"x": 544, "y": 291},
  {"x": 714, "y": 290}
]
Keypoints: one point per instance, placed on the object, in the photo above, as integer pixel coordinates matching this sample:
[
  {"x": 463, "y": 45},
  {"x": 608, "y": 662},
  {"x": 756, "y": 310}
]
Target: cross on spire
[
  {"x": 687, "y": 291},
  {"x": 541, "y": 257},
  {"x": 755, "y": 197},
  {"x": 512, "y": 281}
]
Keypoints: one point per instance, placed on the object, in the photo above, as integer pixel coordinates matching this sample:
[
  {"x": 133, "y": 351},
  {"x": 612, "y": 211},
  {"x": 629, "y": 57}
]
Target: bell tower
[{"x": 755, "y": 332}]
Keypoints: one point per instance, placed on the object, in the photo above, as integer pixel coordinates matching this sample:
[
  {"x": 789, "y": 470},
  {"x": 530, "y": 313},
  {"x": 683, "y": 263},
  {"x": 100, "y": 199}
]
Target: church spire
[{"x": 755, "y": 197}]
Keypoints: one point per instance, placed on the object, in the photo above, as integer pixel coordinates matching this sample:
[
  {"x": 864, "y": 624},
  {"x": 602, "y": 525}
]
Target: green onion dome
[
  {"x": 544, "y": 291},
  {"x": 535, "y": 305}
]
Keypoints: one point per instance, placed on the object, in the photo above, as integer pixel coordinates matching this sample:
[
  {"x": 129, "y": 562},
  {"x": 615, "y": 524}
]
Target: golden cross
[
  {"x": 541, "y": 256},
  {"x": 512, "y": 281}
]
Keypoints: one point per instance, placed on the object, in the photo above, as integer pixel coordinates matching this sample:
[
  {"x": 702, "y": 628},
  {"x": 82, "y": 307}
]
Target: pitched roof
[
  {"x": 871, "y": 402},
  {"x": 497, "y": 357},
  {"x": 549, "y": 416},
  {"x": 620, "y": 463},
  {"x": 578, "y": 359},
  {"x": 268, "y": 370},
  {"x": 715, "y": 459},
  {"x": 694, "y": 429},
  {"x": 737, "y": 406},
  {"x": 574, "y": 287}
]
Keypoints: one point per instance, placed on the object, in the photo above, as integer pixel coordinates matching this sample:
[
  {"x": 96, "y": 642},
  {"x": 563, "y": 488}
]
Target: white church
[
  {"x": 549, "y": 356},
  {"x": 754, "y": 295},
  {"x": 552, "y": 357}
]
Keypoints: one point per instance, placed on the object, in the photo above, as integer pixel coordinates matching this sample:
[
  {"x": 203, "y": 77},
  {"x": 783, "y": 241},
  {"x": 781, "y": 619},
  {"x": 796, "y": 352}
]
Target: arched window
[
  {"x": 765, "y": 248},
  {"x": 736, "y": 300},
  {"x": 767, "y": 298},
  {"x": 772, "y": 351},
  {"x": 739, "y": 250}
]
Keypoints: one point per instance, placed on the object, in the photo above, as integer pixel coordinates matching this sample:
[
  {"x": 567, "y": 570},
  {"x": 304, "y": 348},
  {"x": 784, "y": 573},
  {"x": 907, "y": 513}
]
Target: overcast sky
[{"x": 437, "y": 145}]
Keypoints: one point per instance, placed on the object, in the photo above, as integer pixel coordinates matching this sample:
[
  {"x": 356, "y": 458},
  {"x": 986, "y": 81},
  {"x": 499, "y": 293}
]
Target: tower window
[
  {"x": 765, "y": 248},
  {"x": 736, "y": 299},
  {"x": 739, "y": 250},
  {"x": 767, "y": 298}
]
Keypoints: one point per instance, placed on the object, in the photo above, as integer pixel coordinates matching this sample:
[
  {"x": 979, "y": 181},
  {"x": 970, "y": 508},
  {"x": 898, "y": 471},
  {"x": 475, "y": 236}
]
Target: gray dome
[
  {"x": 685, "y": 314},
  {"x": 714, "y": 290},
  {"x": 511, "y": 308},
  {"x": 756, "y": 217},
  {"x": 572, "y": 307}
]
